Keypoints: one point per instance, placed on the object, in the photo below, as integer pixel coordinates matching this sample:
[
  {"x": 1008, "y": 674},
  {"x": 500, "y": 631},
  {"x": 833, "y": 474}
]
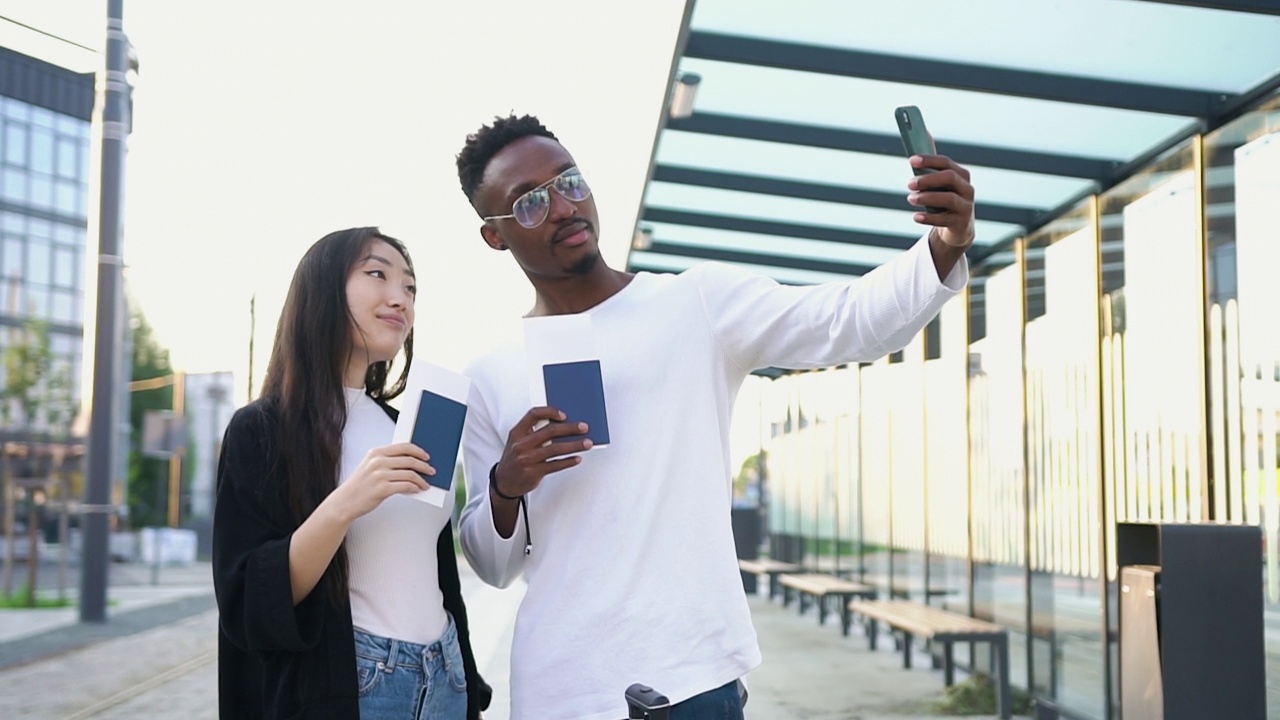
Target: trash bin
[
  {"x": 746, "y": 538},
  {"x": 1191, "y": 622}
]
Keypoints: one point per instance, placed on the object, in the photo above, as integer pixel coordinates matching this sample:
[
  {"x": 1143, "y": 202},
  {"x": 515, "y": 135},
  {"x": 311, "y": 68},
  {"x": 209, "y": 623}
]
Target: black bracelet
[{"x": 493, "y": 485}]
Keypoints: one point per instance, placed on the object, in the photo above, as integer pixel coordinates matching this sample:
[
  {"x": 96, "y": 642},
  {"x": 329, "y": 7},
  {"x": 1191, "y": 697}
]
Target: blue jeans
[
  {"x": 406, "y": 681},
  {"x": 723, "y": 703}
]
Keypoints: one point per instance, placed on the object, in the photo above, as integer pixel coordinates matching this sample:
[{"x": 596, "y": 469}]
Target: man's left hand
[{"x": 947, "y": 188}]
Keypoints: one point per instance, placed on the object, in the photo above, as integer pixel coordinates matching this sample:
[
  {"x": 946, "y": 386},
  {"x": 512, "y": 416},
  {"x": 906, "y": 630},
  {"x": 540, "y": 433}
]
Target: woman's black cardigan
[{"x": 275, "y": 660}]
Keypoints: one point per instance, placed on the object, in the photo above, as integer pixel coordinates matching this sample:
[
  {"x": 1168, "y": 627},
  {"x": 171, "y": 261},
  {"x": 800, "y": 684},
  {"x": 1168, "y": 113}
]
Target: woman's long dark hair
[{"x": 304, "y": 380}]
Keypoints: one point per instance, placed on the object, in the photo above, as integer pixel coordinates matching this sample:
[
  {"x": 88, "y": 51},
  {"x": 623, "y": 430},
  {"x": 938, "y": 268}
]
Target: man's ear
[{"x": 491, "y": 237}]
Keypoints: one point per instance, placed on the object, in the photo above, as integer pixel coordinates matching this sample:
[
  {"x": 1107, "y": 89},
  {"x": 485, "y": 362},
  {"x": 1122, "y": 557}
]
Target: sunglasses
[{"x": 531, "y": 209}]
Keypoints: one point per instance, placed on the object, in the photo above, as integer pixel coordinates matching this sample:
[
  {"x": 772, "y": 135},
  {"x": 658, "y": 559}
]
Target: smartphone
[{"x": 916, "y": 140}]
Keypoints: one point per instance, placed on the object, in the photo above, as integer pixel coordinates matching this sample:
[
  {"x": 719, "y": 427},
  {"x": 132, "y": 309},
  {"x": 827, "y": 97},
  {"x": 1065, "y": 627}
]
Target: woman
[{"x": 338, "y": 595}]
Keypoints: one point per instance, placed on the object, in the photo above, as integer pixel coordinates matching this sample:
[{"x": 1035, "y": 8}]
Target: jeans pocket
[{"x": 368, "y": 674}]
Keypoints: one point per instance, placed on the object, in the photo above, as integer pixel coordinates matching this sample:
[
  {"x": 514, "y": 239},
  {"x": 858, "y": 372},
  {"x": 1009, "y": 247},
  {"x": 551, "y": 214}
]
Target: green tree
[
  {"x": 37, "y": 404},
  {"x": 148, "y": 477}
]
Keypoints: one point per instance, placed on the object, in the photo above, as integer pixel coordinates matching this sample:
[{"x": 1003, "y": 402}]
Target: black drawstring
[{"x": 524, "y": 506}]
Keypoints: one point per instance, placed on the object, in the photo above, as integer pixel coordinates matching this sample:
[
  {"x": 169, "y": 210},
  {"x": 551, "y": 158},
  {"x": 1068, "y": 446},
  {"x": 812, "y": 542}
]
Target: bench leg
[
  {"x": 804, "y": 601},
  {"x": 844, "y": 615},
  {"x": 773, "y": 586},
  {"x": 948, "y": 664},
  {"x": 1004, "y": 700},
  {"x": 822, "y": 609},
  {"x": 786, "y": 596},
  {"x": 906, "y": 650},
  {"x": 873, "y": 631}
]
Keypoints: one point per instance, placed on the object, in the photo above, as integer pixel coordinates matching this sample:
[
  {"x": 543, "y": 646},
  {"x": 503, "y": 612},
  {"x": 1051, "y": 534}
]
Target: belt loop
[{"x": 394, "y": 654}]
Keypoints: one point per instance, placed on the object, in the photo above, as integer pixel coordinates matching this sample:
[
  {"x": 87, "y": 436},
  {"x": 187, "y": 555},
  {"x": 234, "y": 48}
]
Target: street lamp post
[{"x": 107, "y": 339}]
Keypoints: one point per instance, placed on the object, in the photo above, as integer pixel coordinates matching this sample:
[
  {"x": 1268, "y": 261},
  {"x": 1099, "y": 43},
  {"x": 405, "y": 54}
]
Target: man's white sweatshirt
[{"x": 632, "y": 573}]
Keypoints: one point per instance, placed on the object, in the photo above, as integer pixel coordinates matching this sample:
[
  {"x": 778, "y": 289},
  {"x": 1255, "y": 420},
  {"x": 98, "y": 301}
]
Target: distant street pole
[
  {"x": 175, "y": 460},
  {"x": 107, "y": 350}
]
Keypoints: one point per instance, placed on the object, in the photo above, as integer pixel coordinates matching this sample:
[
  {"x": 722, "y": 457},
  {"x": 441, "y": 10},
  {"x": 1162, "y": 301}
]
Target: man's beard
[{"x": 585, "y": 265}]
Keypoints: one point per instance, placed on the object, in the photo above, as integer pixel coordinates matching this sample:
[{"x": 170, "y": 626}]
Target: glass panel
[
  {"x": 38, "y": 262},
  {"x": 844, "y": 390},
  {"x": 1244, "y": 347},
  {"x": 877, "y": 172},
  {"x": 61, "y": 309},
  {"x": 947, "y": 459},
  {"x": 876, "y": 394},
  {"x": 14, "y": 260},
  {"x": 13, "y": 222},
  {"x": 996, "y": 455},
  {"x": 952, "y": 115},
  {"x": 785, "y": 460},
  {"x": 802, "y": 212},
  {"x": 66, "y": 267},
  {"x": 662, "y": 262},
  {"x": 69, "y": 234},
  {"x": 1152, "y": 340},
  {"x": 15, "y": 144},
  {"x": 1085, "y": 37},
  {"x": 40, "y": 228},
  {"x": 1064, "y": 463},
  {"x": 35, "y": 300},
  {"x": 65, "y": 197},
  {"x": 68, "y": 157},
  {"x": 906, "y": 468},
  {"x": 41, "y": 192},
  {"x": 69, "y": 125},
  {"x": 42, "y": 118},
  {"x": 15, "y": 109},
  {"x": 42, "y": 151},
  {"x": 61, "y": 344},
  {"x": 14, "y": 187}
]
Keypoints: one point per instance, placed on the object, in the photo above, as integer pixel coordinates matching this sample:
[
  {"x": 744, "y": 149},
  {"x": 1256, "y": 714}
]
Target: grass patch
[
  {"x": 977, "y": 696},
  {"x": 22, "y": 600}
]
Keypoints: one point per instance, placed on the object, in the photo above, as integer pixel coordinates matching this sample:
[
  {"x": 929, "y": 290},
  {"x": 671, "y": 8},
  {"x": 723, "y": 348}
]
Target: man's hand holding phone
[
  {"x": 941, "y": 186},
  {"x": 948, "y": 191}
]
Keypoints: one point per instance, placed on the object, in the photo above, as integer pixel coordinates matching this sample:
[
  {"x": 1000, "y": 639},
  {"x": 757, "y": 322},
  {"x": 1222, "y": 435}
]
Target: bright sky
[{"x": 259, "y": 127}]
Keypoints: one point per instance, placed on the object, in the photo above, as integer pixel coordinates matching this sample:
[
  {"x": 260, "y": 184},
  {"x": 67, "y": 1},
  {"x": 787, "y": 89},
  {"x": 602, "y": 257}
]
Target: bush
[
  {"x": 977, "y": 696},
  {"x": 22, "y": 598}
]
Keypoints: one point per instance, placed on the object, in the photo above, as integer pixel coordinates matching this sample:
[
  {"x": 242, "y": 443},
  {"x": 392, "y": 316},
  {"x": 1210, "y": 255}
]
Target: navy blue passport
[
  {"x": 577, "y": 390},
  {"x": 438, "y": 430}
]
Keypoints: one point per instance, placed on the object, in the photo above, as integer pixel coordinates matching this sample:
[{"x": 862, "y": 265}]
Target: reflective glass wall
[
  {"x": 1064, "y": 478},
  {"x": 1242, "y": 307},
  {"x": 1121, "y": 364}
]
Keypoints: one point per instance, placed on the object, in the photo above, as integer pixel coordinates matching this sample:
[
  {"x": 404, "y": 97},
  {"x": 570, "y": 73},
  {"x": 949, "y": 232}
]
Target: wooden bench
[
  {"x": 820, "y": 587},
  {"x": 772, "y": 568},
  {"x": 945, "y": 628}
]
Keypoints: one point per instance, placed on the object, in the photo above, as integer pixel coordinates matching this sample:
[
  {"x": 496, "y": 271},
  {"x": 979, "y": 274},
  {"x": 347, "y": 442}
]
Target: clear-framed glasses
[{"x": 531, "y": 209}]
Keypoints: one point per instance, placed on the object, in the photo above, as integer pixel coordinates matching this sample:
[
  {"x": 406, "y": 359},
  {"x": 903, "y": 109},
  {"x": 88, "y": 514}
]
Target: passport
[
  {"x": 577, "y": 390},
  {"x": 438, "y": 430}
]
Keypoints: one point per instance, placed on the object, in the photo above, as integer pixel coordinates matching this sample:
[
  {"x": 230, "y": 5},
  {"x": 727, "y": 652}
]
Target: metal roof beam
[
  {"x": 777, "y": 228},
  {"x": 960, "y": 76},
  {"x": 1262, "y": 7},
  {"x": 824, "y": 192},
  {"x": 884, "y": 144},
  {"x": 753, "y": 258}
]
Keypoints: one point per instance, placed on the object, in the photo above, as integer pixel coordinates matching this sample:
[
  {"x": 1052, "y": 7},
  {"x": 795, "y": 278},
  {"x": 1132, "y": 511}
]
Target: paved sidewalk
[{"x": 169, "y": 671}]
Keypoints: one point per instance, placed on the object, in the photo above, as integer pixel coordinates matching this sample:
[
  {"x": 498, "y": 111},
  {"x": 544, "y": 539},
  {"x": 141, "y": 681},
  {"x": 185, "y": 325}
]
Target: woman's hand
[{"x": 389, "y": 470}]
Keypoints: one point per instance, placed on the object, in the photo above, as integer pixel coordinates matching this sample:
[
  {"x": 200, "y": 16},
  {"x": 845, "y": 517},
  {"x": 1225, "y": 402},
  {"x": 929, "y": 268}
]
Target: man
[{"x": 628, "y": 551}]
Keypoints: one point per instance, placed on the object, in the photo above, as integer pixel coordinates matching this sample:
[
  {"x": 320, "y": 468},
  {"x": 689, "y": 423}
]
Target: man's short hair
[{"x": 488, "y": 141}]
